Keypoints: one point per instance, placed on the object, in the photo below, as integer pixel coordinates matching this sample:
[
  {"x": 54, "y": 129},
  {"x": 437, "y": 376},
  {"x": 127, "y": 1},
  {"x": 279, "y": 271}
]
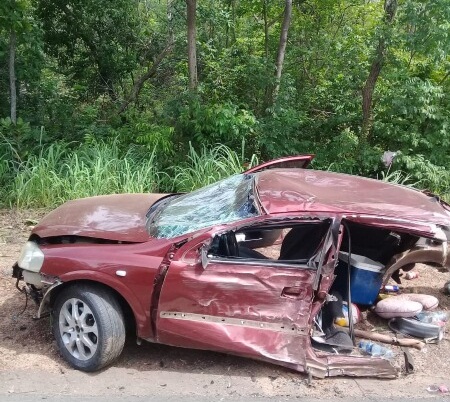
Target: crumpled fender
[
  {"x": 139, "y": 311},
  {"x": 427, "y": 252}
]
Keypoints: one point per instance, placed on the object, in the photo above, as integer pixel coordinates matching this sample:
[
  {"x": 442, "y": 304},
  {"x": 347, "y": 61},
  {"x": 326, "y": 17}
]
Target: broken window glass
[{"x": 226, "y": 201}]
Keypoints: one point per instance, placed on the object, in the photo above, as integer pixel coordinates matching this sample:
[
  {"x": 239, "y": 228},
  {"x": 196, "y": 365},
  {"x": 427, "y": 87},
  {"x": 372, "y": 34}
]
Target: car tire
[{"x": 88, "y": 326}]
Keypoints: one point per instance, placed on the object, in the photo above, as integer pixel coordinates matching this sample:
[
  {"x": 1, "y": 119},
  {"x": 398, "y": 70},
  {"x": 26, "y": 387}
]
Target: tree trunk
[
  {"x": 273, "y": 89},
  {"x": 151, "y": 72},
  {"x": 266, "y": 30},
  {"x": 12, "y": 76},
  {"x": 191, "y": 37},
  {"x": 282, "y": 46},
  {"x": 390, "y": 8},
  {"x": 230, "y": 32}
]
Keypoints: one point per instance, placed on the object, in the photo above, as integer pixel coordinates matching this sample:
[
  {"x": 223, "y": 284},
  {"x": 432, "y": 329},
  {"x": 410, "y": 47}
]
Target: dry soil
[{"x": 30, "y": 363}]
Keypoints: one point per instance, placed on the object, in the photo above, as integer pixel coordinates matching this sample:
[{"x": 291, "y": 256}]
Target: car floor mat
[
  {"x": 431, "y": 333},
  {"x": 336, "y": 341}
]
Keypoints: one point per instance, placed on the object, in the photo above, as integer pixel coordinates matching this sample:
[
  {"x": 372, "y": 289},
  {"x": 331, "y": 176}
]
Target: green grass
[
  {"x": 398, "y": 177},
  {"x": 57, "y": 175},
  {"x": 208, "y": 166}
]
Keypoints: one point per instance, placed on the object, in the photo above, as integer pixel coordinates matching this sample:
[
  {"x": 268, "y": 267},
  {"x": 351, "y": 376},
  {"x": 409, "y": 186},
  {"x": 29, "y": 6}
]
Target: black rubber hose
[{"x": 349, "y": 295}]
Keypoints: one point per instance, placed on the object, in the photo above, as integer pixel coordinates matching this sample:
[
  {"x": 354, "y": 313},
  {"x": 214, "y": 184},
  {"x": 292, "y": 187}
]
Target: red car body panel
[
  {"x": 119, "y": 217},
  {"x": 299, "y": 161},
  {"x": 295, "y": 191},
  {"x": 100, "y": 262},
  {"x": 257, "y": 310}
]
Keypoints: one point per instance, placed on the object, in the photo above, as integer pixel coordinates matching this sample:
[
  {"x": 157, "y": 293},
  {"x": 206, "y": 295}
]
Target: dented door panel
[{"x": 259, "y": 311}]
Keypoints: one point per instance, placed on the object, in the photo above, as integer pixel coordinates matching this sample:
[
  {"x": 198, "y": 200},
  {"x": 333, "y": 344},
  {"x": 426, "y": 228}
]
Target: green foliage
[
  {"x": 142, "y": 129},
  {"x": 429, "y": 176},
  {"x": 426, "y": 31},
  {"x": 97, "y": 45},
  {"x": 78, "y": 62},
  {"x": 154, "y": 136},
  {"x": 282, "y": 134},
  {"x": 14, "y": 136},
  {"x": 56, "y": 174},
  {"x": 208, "y": 166},
  {"x": 341, "y": 150},
  {"x": 6, "y": 157},
  {"x": 414, "y": 117},
  {"x": 208, "y": 124}
]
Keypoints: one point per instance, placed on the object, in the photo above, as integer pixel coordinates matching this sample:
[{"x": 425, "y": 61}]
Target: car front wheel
[{"x": 88, "y": 326}]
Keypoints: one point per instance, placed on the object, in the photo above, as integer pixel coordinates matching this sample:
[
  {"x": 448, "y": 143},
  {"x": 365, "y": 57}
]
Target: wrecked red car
[{"x": 242, "y": 266}]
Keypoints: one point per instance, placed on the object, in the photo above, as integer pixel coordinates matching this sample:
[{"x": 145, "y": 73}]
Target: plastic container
[
  {"x": 366, "y": 277},
  {"x": 391, "y": 288},
  {"x": 375, "y": 350},
  {"x": 433, "y": 317}
]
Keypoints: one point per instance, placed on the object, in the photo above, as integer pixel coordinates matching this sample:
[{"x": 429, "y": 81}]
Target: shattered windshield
[{"x": 226, "y": 201}]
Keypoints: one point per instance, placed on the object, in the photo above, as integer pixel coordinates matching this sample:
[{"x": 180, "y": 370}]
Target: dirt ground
[{"x": 29, "y": 358}]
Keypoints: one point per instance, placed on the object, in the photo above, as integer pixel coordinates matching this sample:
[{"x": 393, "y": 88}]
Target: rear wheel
[{"x": 88, "y": 326}]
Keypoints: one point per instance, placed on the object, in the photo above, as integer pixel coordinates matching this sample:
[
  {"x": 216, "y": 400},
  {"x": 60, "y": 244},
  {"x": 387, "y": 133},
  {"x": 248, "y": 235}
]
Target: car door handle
[{"x": 292, "y": 291}]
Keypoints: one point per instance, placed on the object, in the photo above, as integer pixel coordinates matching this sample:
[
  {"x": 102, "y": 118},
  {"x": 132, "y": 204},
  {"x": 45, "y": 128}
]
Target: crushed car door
[
  {"x": 299, "y": 161},
  {"x": 253, "y": 306}
]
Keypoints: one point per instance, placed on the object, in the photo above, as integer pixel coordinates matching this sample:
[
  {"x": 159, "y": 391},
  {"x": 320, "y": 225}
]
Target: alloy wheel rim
[{"x": 78, "y": 329}]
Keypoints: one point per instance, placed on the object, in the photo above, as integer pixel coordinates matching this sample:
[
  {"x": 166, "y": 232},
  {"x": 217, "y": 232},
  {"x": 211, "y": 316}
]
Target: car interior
[
  {"x": 288, "y": 243},
  {"x": 293, "y": 243}
]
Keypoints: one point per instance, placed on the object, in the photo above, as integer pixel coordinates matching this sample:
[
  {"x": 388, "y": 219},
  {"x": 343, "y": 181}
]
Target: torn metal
[{"x": 245, "y": 266}]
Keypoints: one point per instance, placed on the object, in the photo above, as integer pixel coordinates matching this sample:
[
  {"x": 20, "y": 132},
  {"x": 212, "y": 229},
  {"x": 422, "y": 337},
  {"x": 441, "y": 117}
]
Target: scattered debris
[
  {"x": 434, "y": 388},
  {"x": 374, "y": 349},
  {"x": 389, "y": 339},
  {"x": 447, "y": 288},
  {"x": 431, "y": 333},
  {"x": 439, "y": 317},
  {"x": 411, "y": 275}
]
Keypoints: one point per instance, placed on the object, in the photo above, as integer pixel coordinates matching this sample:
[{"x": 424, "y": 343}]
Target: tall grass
[
  {"x": 208, "y": 166},
  {"x": 398, "y": 177},
  {"x": 4, "y": 171},
  {"x": 57, "y": 175}
]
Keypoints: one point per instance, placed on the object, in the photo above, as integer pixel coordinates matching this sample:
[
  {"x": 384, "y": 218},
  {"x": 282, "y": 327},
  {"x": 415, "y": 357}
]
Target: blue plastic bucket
[{"x": 366, "y": 277}]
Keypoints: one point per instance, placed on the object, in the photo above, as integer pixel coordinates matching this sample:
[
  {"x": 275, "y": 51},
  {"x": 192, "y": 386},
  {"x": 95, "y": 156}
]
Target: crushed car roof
[{"x": 301, "y": 190}]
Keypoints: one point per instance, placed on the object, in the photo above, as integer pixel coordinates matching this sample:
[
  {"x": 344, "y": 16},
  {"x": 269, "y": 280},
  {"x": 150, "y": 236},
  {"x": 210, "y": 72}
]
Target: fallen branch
[{"x": 391, "y": 340}]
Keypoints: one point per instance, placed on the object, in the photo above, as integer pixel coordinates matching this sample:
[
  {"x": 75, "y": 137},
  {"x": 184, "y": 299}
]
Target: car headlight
[{"x": 31, "y": 257}]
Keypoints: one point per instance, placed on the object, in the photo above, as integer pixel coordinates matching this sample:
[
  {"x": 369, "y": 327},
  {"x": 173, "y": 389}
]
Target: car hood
[{"x": 119, "y": 217}]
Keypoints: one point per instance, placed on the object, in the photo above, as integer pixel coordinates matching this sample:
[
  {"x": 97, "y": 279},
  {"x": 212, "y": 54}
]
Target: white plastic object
[{"x": 31, "y": 257}]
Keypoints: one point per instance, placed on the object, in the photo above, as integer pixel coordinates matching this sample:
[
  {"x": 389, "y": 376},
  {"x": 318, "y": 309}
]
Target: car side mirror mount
[{"x": 204, "y": 255}]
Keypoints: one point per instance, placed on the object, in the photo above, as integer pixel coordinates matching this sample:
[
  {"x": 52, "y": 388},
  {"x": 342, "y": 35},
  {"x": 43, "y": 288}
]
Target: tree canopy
[{"x": 346, "y": 80}]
